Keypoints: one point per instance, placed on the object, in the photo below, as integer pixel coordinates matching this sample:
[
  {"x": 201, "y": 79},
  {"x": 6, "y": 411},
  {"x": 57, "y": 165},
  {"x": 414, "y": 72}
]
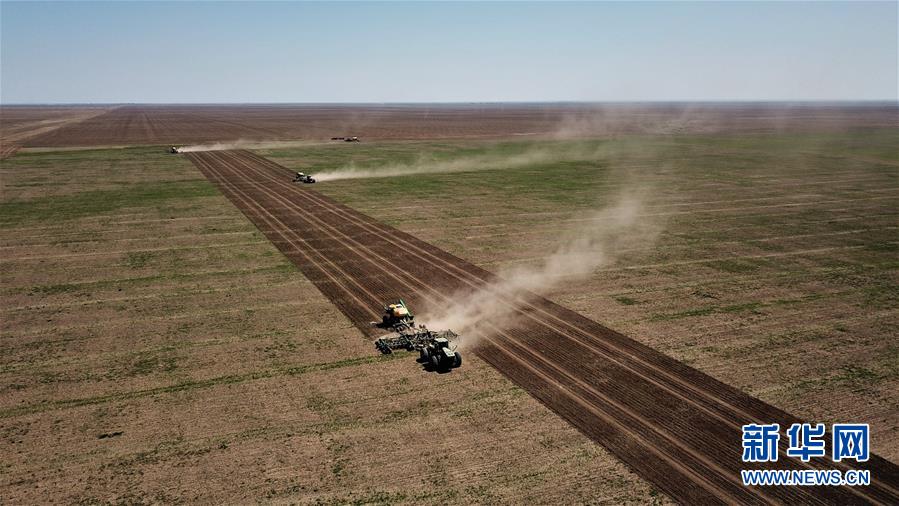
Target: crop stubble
[{"x": 675, "y": 426}]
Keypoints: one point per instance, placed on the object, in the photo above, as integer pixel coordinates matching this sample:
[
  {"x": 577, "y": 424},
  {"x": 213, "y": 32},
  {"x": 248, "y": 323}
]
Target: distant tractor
[
  {"x": 440, "y": 356},
  {"x": 174, "y": 150},
  {"x": 303, "y": 178},
  {"x": 346, "y": 139}
]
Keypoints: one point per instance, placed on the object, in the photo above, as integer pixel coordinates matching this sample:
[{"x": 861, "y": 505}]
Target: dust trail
[
  {"x": 428, "y": 165},
  {"x": 608, "y": 233},
  {"x": 246, "y": 144},
  {"x": 604, "y": 235}
]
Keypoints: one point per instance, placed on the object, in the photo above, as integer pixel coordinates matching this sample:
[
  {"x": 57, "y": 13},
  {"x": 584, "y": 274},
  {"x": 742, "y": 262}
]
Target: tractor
[
  {"x": 303, "y": 178},
  {"x": 174, "y": 150},
  {"x": 440, "y": 356}
]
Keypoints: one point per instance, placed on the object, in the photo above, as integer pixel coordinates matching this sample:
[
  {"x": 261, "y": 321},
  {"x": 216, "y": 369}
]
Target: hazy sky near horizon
[{"x": 87, "y": 52}]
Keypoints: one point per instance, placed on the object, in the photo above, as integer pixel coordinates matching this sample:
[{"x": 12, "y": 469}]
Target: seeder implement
[{"x": 433, "y": 346}]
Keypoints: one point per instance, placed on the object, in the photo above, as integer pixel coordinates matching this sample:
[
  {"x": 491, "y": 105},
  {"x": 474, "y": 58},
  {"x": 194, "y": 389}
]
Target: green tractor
[{"x": 440, "y": 356}]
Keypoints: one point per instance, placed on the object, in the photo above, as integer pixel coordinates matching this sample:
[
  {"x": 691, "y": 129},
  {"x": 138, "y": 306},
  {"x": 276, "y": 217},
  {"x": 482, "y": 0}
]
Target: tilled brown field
[
  {"x": 676, "y": 426},
  {"x": 20, "y": 123},
  {"x": 7, "y": 150},
  {"x": 160, "y": 124}
]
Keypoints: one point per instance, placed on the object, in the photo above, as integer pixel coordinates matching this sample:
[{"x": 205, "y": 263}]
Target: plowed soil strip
[
  {"x": 673, "y": 425},
  {"x": 7, "y": 150}
]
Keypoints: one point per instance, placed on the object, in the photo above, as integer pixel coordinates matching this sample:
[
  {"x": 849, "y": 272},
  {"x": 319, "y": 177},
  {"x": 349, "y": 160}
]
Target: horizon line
[{"x": 476, "y": 102}]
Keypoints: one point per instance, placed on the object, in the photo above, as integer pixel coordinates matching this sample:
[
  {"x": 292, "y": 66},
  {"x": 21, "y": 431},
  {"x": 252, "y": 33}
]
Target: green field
[
  {"x": 775, "y": 270},
  {"x": 157, "y": 347}
]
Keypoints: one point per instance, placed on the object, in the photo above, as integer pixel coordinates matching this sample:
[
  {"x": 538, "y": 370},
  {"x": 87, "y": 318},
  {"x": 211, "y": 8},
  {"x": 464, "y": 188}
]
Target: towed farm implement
[
  {"x": 300, "y": 177},
  {"x": 434, "y": 347}
]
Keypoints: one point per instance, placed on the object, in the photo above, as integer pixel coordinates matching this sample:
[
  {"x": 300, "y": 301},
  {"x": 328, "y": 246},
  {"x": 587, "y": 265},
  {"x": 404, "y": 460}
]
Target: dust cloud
[
  {"x": 599, "y": 241},
  {"x": 428, "y": 165},
  {"x": 245, "y": 144},
  {"x": 620, "y": 223}
]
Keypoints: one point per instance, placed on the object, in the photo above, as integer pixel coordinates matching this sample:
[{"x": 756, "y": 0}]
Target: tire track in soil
[{"x": 672, "y": 424}]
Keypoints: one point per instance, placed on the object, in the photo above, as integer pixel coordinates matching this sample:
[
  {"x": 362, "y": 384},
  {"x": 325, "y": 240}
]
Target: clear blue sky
[{"x": 445, "y": 52}]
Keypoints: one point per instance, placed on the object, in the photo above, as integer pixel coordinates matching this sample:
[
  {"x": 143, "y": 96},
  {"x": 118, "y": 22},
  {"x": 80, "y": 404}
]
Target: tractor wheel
[
  {"x": 435, "y": 362},
  {"x": 458, "y": 361},
  {"x": 425, "y": 355}
]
